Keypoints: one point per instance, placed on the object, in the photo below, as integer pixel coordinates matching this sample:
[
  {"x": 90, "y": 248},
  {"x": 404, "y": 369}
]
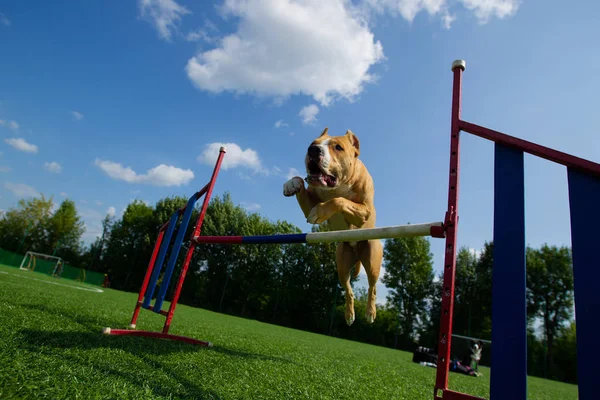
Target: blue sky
[{"x": 104, "y": 102}]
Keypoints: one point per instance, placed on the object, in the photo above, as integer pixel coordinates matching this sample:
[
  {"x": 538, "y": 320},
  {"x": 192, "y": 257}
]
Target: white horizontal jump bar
[{"x": 386, "y": 232}]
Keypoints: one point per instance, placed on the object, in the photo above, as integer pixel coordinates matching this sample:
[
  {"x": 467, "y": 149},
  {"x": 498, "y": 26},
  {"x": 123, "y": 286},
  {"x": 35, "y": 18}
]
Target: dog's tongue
[{"x": 321, "y": 178}]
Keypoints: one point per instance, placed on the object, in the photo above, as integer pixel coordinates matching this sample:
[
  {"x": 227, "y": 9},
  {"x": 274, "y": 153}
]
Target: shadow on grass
[
  {"x": 91, "y": 339},
  {"x": 78, "y": 317},
  {"x": 175, "y": 384}
]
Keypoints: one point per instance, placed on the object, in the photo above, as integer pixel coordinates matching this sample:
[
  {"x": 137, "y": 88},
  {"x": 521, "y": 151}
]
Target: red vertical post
[
  {"x": 136, "y": 311},
  {"x": 196, "y": 232},
  {"x": 451, "y": 222}
]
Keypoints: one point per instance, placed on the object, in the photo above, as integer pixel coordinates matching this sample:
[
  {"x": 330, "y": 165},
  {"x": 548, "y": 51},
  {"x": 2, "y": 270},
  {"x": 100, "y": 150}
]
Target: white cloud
[
  {"x": 21, "y": 189},
  {"x": 292, "y": 172},
  {"x": 52, "y": 167},
  {"x": 111, "y": 211},
  {"x": 14, "y": 125},
  {"x": 309, "y": 114},
  {"x": 486, "y": 9},
  {"x": 163, "y": 14},
  {"x": 63, "y": 194},
  {"x": 408, "y": 9},
  {"x": 22, "y": 145},
  {"x": 98, "y": 202},
  {"x": 77, "y": 115},
  {"x": 161, "y": 175},
  {"x": 5, "y": 169},
  {"x": 201, "y": 35},
  {"x": 321, "y": 49},
  {"x": 4, "y": 20},
  {"x": 235, "y": 157},
  {"x": 280, "y": 124},
  {"x": 447, "y": 20},
  {"x": 250, "y": 206}
]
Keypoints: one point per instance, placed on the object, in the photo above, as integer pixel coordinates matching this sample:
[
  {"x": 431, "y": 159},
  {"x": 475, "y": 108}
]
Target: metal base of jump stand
[
  {"x": 156, "y": 335},
  {"x": 161, "y": 247}
]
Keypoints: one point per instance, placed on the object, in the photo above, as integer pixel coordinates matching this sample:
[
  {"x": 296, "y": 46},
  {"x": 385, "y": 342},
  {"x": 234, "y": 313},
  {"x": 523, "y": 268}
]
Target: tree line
[{"x": 296, "y": 285}]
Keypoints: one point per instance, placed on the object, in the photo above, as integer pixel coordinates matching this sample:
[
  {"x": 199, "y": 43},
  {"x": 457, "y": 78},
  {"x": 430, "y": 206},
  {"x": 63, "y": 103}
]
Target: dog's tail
[{"x": 356, "y": 269}]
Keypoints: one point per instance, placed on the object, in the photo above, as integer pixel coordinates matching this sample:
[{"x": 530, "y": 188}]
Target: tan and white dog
[{"x": 341, "y": 191}]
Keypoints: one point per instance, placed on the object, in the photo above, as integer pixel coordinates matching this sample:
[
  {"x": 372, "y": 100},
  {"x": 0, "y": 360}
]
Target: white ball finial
[{"x": 459, "y": 63}]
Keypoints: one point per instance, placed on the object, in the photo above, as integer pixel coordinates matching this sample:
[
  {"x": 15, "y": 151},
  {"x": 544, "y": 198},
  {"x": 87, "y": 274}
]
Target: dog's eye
[{"x": 338, "y": 147}]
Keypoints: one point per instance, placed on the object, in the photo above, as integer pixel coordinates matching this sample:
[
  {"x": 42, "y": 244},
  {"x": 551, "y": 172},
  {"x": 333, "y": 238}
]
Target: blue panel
[
  {"x": 509, "y": 280},
  {"x": 272, "y": 239},
  {"x": 584, "y": 199},
  {"x": 164, "y": 246},
  {"x": 160, "y": 297}
]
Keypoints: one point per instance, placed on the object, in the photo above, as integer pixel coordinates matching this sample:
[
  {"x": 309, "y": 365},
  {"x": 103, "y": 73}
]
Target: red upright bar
[
  {"x": 196, "y": 233},
  {"x": 451, "y": 221},
  {"x": 136, "y": 311}
]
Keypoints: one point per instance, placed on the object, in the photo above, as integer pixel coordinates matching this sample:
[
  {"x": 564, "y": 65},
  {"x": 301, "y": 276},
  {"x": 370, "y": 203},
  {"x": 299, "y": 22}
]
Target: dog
[{"x": 340, "y": 191}]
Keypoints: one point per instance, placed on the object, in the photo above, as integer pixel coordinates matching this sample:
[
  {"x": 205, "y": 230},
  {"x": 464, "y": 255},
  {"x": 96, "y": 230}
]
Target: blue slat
[
  {"x": 160, "y": 297},
  {"x": 584, "y": 201},
  {"x": 509, "y": 307},
  {"x": 164, "y": 246},
  {"x": 289, "y": 238}
]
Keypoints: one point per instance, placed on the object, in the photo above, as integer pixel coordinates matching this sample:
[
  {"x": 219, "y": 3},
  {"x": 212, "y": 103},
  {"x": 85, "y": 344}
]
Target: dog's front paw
[
  {"x": 320, "y": 213},
  {"x": 316, "y": 215},
  {"x": 293, "y": 186}
]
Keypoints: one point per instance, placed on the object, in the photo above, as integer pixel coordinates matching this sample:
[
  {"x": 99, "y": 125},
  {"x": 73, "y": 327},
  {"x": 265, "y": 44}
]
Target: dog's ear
[
  {"x": 324, "y": 132},
  {"x": 354, "y": 140}
]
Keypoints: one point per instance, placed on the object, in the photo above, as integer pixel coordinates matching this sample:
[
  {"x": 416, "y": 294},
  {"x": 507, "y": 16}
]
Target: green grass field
[{"x": 51, "y": 346}]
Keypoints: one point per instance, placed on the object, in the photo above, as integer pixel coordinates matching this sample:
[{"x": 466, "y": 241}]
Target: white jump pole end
[
  {"x": 223, "y": 149},
  {"x": 459, "y": 64}
]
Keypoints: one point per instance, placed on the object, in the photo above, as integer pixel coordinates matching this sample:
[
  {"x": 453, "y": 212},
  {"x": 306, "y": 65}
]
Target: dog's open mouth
[{"x": 316, "y": 176}]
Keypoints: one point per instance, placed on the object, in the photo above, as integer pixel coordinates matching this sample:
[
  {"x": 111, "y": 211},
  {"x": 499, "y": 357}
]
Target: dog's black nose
[{"x": 314, "y": 151}]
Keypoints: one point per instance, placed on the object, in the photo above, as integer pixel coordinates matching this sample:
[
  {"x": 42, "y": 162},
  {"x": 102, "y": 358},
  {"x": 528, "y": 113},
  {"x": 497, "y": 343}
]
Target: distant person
[{"x": 106, "y": 282}]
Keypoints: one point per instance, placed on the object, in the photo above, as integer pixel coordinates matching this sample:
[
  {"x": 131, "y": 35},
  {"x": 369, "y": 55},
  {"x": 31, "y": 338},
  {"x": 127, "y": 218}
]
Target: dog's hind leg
[
  {"x": 370, "y": 254},
  {"x": 345, "y": 260}
]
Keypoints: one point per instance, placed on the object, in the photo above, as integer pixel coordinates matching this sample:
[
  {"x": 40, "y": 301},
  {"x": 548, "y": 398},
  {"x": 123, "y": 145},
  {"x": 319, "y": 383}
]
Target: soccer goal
[{"x": 44, "y": 263}]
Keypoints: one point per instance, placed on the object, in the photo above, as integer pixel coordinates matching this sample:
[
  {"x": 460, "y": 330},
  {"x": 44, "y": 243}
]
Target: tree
[
  {"x": 93, "y": 257},
  {"x": 409, "y": 276},
  {"x": 565, "y": 354},
  {"x": 23, "y": 228},
  {"x": 550, "y": 291},
  {"x": 130, "y": 246},
  {"x": 63, "y": 231},
  {"x": 472, "y": 314}
]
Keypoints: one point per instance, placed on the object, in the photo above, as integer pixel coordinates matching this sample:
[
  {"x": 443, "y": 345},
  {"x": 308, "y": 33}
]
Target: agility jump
[{"x": 509, "y": 308}]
